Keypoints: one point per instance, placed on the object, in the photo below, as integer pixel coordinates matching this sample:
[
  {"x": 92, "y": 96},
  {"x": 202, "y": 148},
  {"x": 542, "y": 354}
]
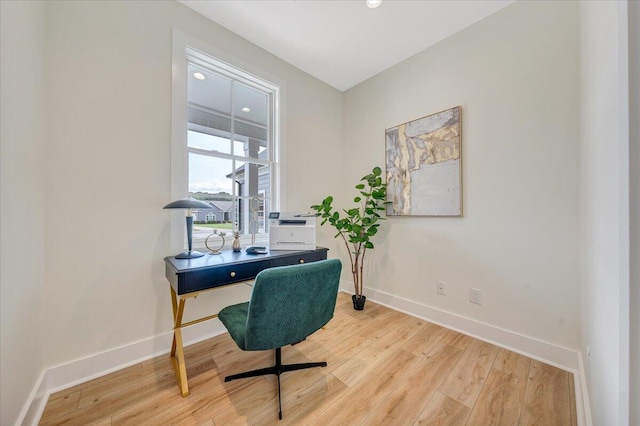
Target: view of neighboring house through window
[{"x": 231, "y": 143}]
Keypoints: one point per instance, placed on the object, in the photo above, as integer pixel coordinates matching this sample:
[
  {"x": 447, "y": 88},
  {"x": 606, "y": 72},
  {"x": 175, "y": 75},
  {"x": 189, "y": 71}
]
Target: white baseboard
[
  {"x": 583, "y": 407},
  {"x": 81, "y": 370}
]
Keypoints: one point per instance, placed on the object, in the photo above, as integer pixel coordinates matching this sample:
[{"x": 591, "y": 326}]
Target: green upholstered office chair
[{"x": 288, "y": 303}]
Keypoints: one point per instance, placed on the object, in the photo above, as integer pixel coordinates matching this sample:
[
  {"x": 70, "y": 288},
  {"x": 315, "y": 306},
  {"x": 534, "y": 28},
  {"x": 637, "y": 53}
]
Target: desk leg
[{"x": 177, "y": 348}]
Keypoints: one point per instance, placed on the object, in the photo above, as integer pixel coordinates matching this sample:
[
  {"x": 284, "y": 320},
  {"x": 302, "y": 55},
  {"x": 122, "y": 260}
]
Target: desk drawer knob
[
  {"x": 233, "y": 274},
  {"x": 301, "y": 260}
]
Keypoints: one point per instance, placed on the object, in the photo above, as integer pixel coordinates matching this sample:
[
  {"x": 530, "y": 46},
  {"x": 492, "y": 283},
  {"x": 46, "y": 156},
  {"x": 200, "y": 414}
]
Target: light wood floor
[{"x": 384, "y": 368}]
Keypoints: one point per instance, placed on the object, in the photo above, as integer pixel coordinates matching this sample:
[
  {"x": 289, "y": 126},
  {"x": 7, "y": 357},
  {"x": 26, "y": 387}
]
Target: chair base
[{"x": 277, "y": 369}]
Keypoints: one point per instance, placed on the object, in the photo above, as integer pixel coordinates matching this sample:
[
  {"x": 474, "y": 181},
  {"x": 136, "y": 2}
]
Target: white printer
[{"x": 292, "y": 231}]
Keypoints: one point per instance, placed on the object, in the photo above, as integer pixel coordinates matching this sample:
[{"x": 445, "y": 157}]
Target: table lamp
[{"x": 188, "y": 204}]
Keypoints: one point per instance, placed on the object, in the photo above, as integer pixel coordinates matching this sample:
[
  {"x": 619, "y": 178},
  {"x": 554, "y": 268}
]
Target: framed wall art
[{"x": 424, "y": 171}]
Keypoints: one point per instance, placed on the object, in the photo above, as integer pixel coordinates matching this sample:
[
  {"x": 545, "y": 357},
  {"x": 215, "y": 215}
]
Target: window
[{"x": 231, "y": 144}]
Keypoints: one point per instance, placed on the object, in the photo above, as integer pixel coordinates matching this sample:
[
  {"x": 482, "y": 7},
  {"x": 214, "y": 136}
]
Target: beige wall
[
  {"x": 515, "y": 76},
  {"x": 108, "y": 165},
  {"x": 22, "y": 358}
]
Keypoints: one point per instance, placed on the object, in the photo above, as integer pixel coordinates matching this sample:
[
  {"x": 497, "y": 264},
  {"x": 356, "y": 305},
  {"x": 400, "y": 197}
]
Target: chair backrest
[{"x": 289, "y": 303}]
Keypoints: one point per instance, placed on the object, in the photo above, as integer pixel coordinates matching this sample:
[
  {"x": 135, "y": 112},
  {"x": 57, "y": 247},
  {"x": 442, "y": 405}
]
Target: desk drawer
[
  {"x": 311, "y": 256},
  {"x": 216, "y": 277}
]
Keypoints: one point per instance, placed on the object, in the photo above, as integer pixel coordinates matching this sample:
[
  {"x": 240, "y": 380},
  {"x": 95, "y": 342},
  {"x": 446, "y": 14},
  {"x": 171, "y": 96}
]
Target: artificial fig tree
[{"x": 358, "y": 225}]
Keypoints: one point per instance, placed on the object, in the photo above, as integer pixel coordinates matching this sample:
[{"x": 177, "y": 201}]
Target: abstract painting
[{"x": 424, "y": 173}]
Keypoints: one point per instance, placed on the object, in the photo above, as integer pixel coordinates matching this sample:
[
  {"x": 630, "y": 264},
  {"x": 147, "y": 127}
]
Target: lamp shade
[{"x": 187, "y": 203}]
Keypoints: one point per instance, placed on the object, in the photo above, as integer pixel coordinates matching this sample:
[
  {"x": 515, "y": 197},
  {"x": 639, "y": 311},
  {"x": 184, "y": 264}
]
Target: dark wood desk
[{"x": 190, "y": 277}]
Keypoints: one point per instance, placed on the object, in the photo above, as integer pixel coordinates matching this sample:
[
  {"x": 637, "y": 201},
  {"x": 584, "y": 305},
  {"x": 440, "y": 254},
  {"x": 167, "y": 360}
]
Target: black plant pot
[{"x": 358, "y": 302}]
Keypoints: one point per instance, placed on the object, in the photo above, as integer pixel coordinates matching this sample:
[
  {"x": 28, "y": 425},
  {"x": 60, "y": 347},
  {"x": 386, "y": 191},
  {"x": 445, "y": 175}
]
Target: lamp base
[{"x": 189, "y": 254}]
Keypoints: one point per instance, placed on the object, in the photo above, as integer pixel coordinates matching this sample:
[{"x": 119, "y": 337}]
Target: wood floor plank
[
  {"x": 425, "y": 340},
  {"x": 365, "y": 362},
  {"x": 546, "y": 399},
  {"x": 131, "y": 392},
  {"x": 334, "y": 353},
  {"x": 62, "y": 405},
  {"x": 304, "y": 407},
  {"x": 380, "y": 326},
  {"x": 205, "y": 391},
  {"x": 470, "y": 372},
  {"x": 149, "y": 375},
  {"x": 455, "y": 339},
  {"x": 369, "y": 393},
  {"x": 380, "y": 362},
  {"x": 512, "y": 363},
  {"x": 500, "y": 400},
  {"x": 260, "y": 396},
  {"x": 444, "y": 411},
  {"x": 409, "y": 398}
]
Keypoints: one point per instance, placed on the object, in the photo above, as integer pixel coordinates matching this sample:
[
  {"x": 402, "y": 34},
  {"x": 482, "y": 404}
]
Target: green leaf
[
  {"x": 360, "y": 186},
  {"x": 368, "y": 245},
  {"x": 357, "y": 200},
  {"x": 377, "y": 171}
]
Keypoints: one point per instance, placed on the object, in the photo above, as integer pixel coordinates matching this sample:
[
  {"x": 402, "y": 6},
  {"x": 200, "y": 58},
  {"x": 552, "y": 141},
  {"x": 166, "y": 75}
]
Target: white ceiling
[{"x": 342, "y": 42}]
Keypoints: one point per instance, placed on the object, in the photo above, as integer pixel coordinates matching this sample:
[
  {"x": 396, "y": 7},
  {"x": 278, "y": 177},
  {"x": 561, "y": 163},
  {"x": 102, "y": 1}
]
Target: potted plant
[{"x": 358, "y": 225}]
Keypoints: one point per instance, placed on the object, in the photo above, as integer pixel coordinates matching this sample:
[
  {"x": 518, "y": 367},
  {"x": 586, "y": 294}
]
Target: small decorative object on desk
[
  {"x": 254, "y": 205},
  {"x": 236, "y": 241},
  {"x": 215, "y": 250}
]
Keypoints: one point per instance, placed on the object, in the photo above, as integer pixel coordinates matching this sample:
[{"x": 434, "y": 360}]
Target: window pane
[
  {"x": 208, "y": 142},
  {"x": 210, "y": 175},
  {"x": 250, "y": 104},
  {"x": 250, "y": 148},
  {"x": 254, "y": 180},
  {"x": 219, "y": 216},
  {"x": 213, "y": 94}
]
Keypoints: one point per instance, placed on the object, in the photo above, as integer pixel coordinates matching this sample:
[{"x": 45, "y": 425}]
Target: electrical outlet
[
  {"x": 475, "y": 296},
  {"x": 440, "y": 287}
]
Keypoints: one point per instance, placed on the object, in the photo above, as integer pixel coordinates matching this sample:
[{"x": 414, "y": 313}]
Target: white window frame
[{"x": 186, "y": 47}]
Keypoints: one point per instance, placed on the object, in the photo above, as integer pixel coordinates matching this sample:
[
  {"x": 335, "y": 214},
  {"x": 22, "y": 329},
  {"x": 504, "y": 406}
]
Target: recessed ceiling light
[
  {"x": 372, "y": 4},
  {"x": 246, "y": 109},
  {"x": 199, "y": 75}
]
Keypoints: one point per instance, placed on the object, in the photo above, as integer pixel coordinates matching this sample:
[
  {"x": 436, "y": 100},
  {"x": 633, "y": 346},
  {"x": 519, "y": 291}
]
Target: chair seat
[{"x": 234, "y": 318}]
